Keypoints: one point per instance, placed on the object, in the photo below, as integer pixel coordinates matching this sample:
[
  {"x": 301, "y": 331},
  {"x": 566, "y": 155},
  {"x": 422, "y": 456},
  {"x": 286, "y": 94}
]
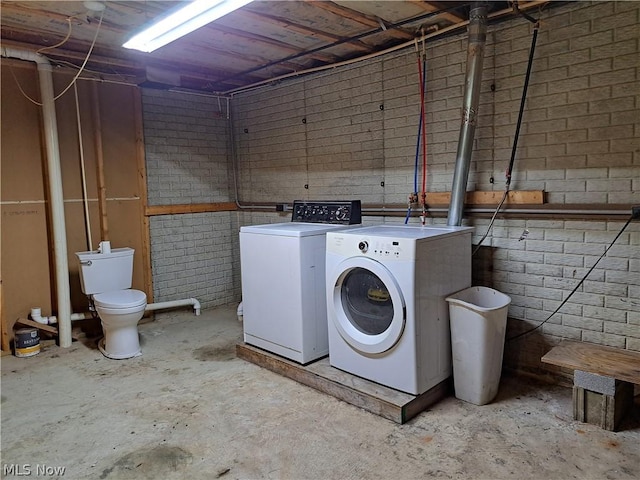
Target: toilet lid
[{"x": 120, "y": 299}]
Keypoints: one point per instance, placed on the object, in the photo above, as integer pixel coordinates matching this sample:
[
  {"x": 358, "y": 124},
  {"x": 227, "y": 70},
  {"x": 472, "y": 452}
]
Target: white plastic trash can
[{"x": 478, "y": 318}]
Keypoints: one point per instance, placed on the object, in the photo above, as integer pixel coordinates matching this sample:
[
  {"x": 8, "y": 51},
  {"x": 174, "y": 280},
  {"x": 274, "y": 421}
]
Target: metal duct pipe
[
  {"x": 55, "y": 189},
  {"x": 475, "y": 56}
]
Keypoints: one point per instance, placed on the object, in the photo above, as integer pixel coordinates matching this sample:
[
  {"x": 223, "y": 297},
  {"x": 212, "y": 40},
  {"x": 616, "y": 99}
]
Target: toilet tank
[{"x": 106, "y": 272}]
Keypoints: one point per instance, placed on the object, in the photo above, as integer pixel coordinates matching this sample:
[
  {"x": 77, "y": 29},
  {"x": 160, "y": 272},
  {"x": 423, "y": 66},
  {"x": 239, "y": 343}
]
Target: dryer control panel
[{"x": 334, "y": 212}]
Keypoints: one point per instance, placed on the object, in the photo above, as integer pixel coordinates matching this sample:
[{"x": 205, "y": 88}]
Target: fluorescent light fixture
[{"x": 189, "y": 18}]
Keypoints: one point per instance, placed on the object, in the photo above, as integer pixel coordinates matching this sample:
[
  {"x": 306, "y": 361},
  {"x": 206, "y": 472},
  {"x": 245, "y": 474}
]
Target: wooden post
[
  {"x": 142, "y": 185},
  {"x": 6, "y": 347},
  {"x": 102, "y": 189}
]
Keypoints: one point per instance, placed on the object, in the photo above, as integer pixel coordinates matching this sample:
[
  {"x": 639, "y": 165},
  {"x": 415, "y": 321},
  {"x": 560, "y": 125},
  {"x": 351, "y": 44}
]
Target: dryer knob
[{"x": 363, "y": 246}]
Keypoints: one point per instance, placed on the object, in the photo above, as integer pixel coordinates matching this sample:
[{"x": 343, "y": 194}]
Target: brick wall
[
  {"x": 195, "y": 255},
  {"x": 186, "y": 149},
  {"x": 351, "y": 133},
  {"x": 186, "y": 143}
]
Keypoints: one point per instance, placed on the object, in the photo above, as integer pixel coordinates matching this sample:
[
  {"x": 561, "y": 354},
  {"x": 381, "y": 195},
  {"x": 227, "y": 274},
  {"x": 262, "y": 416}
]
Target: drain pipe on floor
[
  {"x": 55, "y": 188},
  {"x": 473, "y": 80},
  {"x": 36, "y": 312},
  {"x": 36, "y": 316},
  {"x": 175, "y": 303}
]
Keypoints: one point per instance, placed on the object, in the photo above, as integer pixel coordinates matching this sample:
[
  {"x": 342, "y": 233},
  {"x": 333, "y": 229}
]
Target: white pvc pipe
[
  {"x": 85, "y": 196},
  {"x": 55, "y": 189},
  {"x": 240, "y": 312},
  {"x": 36, "y": 316},
  {"x": 173, "y": 304}
]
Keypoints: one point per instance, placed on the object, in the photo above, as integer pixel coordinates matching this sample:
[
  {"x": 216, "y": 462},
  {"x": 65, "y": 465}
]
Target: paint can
[{"x": 27, "y": 342}]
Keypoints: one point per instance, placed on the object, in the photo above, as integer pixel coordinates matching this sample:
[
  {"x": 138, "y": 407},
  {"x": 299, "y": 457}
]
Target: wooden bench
[{"x": 603, "y": 380}]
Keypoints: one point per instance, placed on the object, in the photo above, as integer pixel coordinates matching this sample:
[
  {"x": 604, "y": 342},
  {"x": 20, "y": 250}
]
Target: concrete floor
[{"x": 188, "y": 408}]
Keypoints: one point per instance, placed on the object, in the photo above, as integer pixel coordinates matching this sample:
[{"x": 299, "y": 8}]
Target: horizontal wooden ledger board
[
  {"x": 190, "y": 208},
  {"x": 532, "y": 197},
  {"x": 523, "y": 197}
]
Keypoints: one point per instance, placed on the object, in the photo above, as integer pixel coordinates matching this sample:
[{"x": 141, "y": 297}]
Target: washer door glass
[{"x": 369, "y": 310}]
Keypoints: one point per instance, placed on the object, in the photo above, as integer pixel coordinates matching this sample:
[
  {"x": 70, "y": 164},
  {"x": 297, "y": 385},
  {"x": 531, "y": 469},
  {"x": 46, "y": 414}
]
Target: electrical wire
[
  {"x": 24, "y": 94},
  {"x": 93, "y": 43},
  {"x": 493, "y": 218},
  {"x": 62, "y": 42},
  {"x": 576, "y": 287},
  {"x": 75, "y": 78},
  {"x": 99, "y": 75},
  {"x": 523, "y": 99},
  {"x": 423, "y": 109}
]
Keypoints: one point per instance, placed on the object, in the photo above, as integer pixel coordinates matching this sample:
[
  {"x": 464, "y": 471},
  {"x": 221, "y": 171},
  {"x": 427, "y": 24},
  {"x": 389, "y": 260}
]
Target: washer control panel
[{"x": 336, "y": 212}]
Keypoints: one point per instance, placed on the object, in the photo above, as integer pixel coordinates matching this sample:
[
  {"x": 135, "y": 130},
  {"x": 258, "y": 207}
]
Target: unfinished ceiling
[{"x": 262, "y": 41}]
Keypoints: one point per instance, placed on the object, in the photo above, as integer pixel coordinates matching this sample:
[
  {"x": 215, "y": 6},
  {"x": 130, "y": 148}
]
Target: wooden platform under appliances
[{"x": 386, "y": 402}]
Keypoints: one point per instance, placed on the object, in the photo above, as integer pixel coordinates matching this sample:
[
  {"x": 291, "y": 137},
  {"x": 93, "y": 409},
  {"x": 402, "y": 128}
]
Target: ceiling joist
[{"x": 261, "y": 41}]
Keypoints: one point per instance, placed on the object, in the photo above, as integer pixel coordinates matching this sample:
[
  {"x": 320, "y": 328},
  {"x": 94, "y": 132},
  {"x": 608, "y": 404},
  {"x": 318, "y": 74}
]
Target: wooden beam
[
  {"x": 102, "y": 188},
  {"x": 254, "y": 38},
  {"x": 303, "y": 30},
  {"x": 429, "y": 8},
  {"x": 205, "y": 52},
  {"x": 533, "y": 197},
  {"x": 142, "y": 185},
  {"x": 43, "y": 327},
  {"x": 39, "y": 326},
  {"x": 134, "y": 68},
  {"x": 359, "y": 17},
  {"x": 4, "y": 328},
  {"x": 190, "y": 208},
  {"x": 77, "y": 19}
]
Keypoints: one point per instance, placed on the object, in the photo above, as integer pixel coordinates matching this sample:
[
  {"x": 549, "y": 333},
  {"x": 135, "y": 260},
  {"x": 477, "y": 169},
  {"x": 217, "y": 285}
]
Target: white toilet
[{"x": 106, "y": 279}]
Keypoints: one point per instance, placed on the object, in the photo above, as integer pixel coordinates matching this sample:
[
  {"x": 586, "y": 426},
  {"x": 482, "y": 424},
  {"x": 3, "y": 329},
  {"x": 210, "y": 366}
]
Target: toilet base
[{"x": 114, "y": 356}]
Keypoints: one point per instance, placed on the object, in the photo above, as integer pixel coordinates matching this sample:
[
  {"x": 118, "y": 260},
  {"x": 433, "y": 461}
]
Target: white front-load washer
[
  {"x": 283, "y": 280},
  {"x": 387, "y": 315}
]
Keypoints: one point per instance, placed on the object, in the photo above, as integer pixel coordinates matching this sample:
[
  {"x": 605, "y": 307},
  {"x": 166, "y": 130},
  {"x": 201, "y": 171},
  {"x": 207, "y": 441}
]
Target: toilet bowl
[
  {"x": 120, "y": 311},
  {"x": 106, "y": 277}
]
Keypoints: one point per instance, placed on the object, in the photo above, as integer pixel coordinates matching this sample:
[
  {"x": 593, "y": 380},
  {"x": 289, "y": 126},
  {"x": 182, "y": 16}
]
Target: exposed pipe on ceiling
[
  {"x": 473, "y": 80},
  {"x": 50, "y": 123}
]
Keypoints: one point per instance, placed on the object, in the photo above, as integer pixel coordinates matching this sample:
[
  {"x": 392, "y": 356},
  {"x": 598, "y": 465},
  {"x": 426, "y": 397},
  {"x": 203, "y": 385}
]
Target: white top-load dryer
[
  {"x": 387, "y": 314},
  {"x": 283, "y": 279}
]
